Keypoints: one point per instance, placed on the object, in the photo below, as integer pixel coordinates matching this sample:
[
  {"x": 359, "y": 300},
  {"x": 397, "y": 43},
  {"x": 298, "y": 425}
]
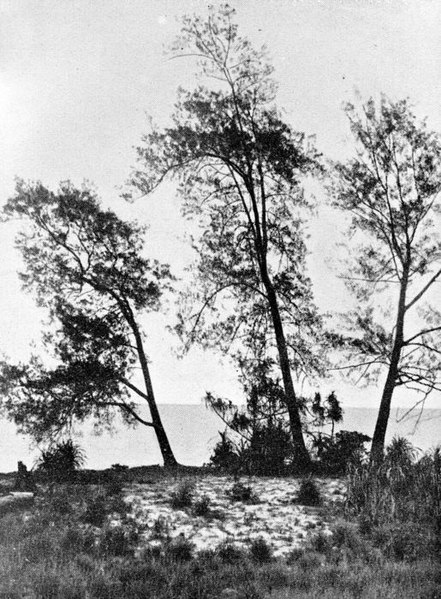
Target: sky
[{"x": 79, "y": 79}]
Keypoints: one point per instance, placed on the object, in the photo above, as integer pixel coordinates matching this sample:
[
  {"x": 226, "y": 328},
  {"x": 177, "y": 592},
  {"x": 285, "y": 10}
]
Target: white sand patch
[{"x": 275, "y": 517}]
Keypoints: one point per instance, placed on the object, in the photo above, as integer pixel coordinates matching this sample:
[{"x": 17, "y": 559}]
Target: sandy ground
[{"x": 274, "y": 516}]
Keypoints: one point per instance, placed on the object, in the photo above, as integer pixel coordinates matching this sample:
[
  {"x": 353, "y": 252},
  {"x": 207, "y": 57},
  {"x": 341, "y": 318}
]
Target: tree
[
  {"x": 85, "y": 265},
  {"x": 391, "y": 189},
  {"x": 239, "y": 167}
]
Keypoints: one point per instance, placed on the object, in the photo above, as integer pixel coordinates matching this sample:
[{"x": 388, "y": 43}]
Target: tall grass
[{"x": 401, "y": 494}]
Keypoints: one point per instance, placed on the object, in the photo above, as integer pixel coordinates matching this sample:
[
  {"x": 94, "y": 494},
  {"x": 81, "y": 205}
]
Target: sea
[{"x": 193, "y": 430}]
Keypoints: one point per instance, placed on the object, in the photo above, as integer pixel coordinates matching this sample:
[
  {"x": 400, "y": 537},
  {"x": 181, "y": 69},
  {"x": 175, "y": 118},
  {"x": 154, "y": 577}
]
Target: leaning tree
[
  {"x": 391, "y": 190},
  {"x": 85, "y": 265},
  {"x": 239, "y": 167}
]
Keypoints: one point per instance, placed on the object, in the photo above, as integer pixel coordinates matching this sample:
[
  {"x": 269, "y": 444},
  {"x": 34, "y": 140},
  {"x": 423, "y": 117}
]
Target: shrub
[
  {"x": 321, "y": 542},
  {"x": 180, "y": 549},
  {"x": 182, "y": 497},
  {"x": 224, "y": 456},
  {"x": 309, "y": 493},
  {"x": 118, "y": 540},
  {"x": 335, "y": 454},
  {"x": 229, "y": 553},
  {"x": 269, "y": 451},
  {"x": 202, "y": 506},
  {"x": 348, "y": 536},
  {"x": 60, "y": 461},
  {"x": 294, "y": 555},
  {"x": 401, "y": 453},
  {"x": 241, "y": 492},
  {"x": 260, "y": 551}
]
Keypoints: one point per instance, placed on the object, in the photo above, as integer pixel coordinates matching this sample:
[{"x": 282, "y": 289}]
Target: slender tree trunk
[
  {"x": 295, "y": 422},
  {"x": 379, "y": 437},
  {"x": 163, "y": 442}
]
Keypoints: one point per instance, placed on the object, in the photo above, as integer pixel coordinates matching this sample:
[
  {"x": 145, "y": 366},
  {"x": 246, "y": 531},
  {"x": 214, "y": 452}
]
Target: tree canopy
[{"x": 86, "y": 266}]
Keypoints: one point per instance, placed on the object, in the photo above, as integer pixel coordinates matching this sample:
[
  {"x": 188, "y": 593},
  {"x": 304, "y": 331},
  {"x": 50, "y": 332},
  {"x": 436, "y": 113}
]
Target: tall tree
[
  {"x": 391, "y": 189},
  {"x": 239, "y": 166},
  {"x": 85, "y": 265}
]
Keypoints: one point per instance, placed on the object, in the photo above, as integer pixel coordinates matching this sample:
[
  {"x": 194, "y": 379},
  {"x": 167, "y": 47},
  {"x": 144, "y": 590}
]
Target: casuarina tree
[
  {"x": 86, "y": 266},
  {"x": 391, "y": 190},
  {"x": 239, "y": 167}
]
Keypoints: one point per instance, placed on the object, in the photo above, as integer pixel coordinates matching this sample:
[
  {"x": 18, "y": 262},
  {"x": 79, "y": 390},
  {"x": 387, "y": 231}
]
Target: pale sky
[{"x": 78, "y": 78}]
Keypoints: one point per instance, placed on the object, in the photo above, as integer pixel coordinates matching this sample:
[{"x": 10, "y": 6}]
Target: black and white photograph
[{"x": 220, "y": 307}]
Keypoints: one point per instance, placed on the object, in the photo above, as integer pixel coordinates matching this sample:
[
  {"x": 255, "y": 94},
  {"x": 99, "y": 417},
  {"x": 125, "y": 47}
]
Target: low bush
[
  {"x": 182, "y": 497},
  {"x": 229, "y": 553},
  {"x": 180, "y": 549},
  {"x": 260, "y": 551},
  {"x": 60, "y": 461},
  {"x": 241, "y": 492},
  {"x": 201, "y": 507},
  {"x": 270, "y": 450},
  {"x": 225, "y": 456},
  {"x": 309, "y": 493},
  {"x": 336, "y": 453},
  {"x": 347, "y": 536},
  {"x": 321, "y": 543}
]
